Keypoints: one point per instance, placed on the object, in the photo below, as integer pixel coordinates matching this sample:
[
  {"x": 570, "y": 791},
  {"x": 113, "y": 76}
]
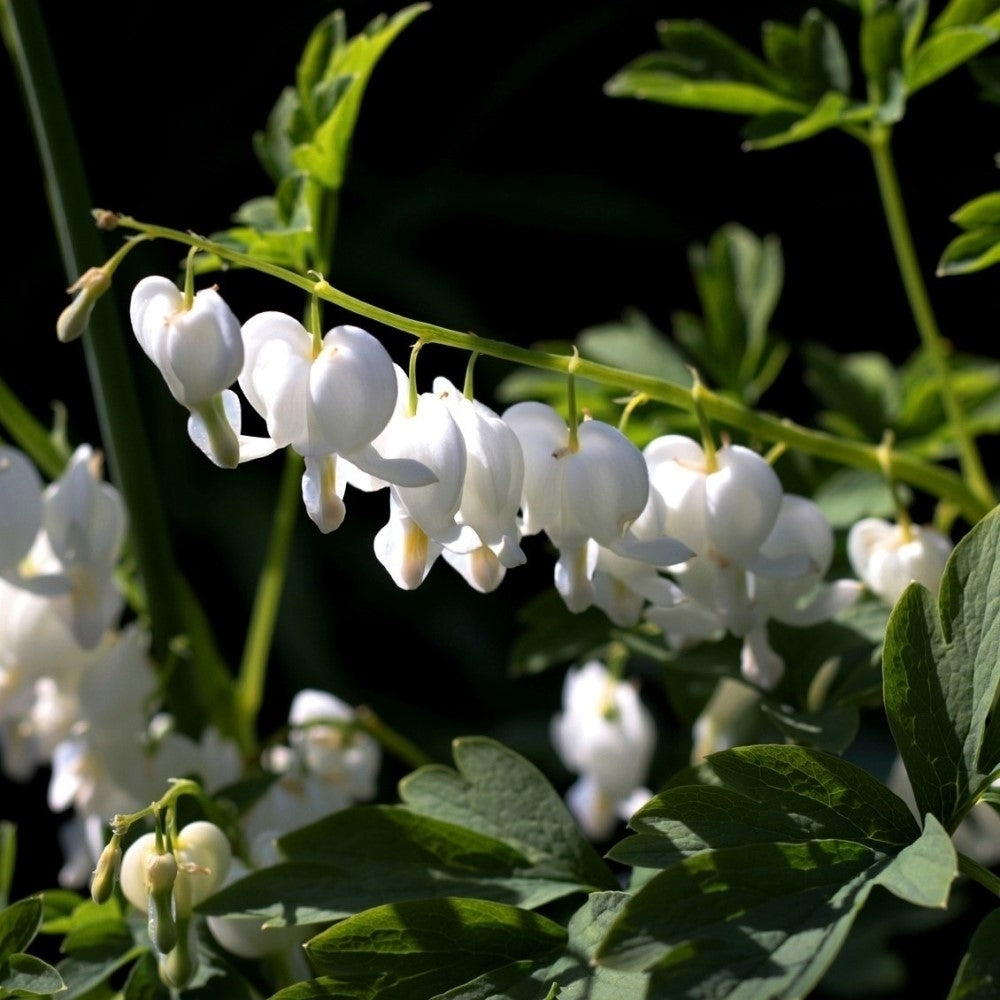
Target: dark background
[{"x": 494, "y": 188}]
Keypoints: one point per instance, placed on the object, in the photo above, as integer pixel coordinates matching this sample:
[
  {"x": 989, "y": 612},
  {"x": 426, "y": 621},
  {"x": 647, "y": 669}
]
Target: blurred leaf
[
  {"x": 768, "y": 854},
  {"x": 962, "y": 12},
  {"x": 978, "y": 977},
  {"x": 944, "y": 51},
  {"x": 882, "y": 40},
  {"x": 19, "y": 923},
  {"x": 812, "y": 56},
  {"x": 832, "y": 110},
  {"x": 981, "y": 211},
  {"x": 942, "y": 668},
  {"x": 971, "y": 251},
  {"x": 635, "y": 344},
  {"x": 8, "y": 858},
  {"x": 848, "y": 495},
  {"x": 831, "y": 728}
]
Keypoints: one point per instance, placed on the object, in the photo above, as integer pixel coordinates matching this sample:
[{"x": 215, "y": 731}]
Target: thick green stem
[
  {"x": 253, "y": 666},
  {"x": 976, "y": 871},
  {"x": 923, "y": 312},
  {"x": 933, "y": 479}
]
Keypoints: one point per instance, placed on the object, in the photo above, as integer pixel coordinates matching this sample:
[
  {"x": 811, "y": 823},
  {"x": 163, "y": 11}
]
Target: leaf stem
[
  {"x": 976, "y": 871},
  {"x": 923, "y": 313}
]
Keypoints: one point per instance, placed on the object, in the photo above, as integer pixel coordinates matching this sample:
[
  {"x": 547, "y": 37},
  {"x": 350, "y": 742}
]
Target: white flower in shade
[
  {"x": 20, "y": 508},
  {"x": 491, "y": 492},
  {"x": 593, "y": 489},
  {"x": 84, "y": 522},
  {"x": 324, "y": 400},
  {"x": 888, "y": 557},
  {"x": 724, "y": 513},
  {"x": 607, "y": 736},
  {"x": 198, "y": 349},
  {"x": 424, "y": 519}
]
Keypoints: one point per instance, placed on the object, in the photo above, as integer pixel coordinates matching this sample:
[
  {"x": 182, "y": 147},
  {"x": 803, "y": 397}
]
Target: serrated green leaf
[
  {"x": 941, "y": 664},
  {"x": 981, "y": 211},
  {"x": 971, "y": 251},
  {"x": 332, "y": 94},
  {"x": 944, "y": 51},
  {"x": 496, "y": 792},
  {"x": 28, "y": 976},
  {"x": 360, "y": 857},
  {"x": 424, "y": 947},
  {"x": 978, "y": 976},
  {"x": 19, "y": 923},
  {"x": 768, "y": 854}
]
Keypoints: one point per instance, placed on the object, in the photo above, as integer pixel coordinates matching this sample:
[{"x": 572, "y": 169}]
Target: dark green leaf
[
  {"x": 978, "y": 977},
  {"x": 422, "y": 948},
  {"x": 496, "y": 792},
  {"x": 19, "y": 924},
  {"x": 882, "y": 39},
  {"x": 942, "y": 666},
  {"x": 811, "y": 57},
  {"x": 832, "y": 110}
]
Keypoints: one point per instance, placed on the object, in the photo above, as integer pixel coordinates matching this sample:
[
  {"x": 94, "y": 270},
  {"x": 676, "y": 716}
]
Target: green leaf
[
  {"x": 634, "y": 343},
  {"x": 424, "y": 947},
  {"x": 882, "y": 38},
  {"x": 941, "y": 663},
  {"x": 572, "y": 976},
  {"x": 981, "y": 211},
  {"x": 331, "y": 88},
  {"x": 360, "y": 857},
  {"x": 946, "y": 50},
  {"x": 19, "y": 924},
  {"x": 27, "y": 976},
  {"x": 962, "y": 12},
  {"x": 971, "y": 251},
  {"x": 496, "y": 792},
  {"x": 832, "y": 110},
  {"x": 851, "y": 494},
  {"x": 978, "y": 977},
  {"x": 811, "y": 57},
  {"x": 768, "y": 854}
]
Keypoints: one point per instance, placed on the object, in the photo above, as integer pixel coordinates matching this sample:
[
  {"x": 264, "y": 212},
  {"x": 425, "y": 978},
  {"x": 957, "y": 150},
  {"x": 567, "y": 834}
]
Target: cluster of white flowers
[
  {"x": 78, "y": 689},
  {"x": 697, "y": 543}
]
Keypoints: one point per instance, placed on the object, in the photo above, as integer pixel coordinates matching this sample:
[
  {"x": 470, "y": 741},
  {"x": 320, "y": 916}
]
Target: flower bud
[
  {"x": 178, "y": 966},
  {"x": 73, "y": 320},
  {"x": 161, "y": 874},
  {"x": 109, "y": 864}
]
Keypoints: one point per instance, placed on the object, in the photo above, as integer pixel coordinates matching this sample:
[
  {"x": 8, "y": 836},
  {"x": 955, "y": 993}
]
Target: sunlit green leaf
[
  {"x": 942, "y": 669},
  {"x": 981, "y": 211},
  {"x": 971, "y": 251},
  {"x": 944, "y": 51},
  {"x": 496, "y": 792}
]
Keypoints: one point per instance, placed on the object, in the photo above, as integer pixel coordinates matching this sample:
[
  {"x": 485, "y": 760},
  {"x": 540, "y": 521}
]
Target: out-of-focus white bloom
[
  {"x": 324, "y": 401},
  {"x": 887, "y": 557},
  {"x": 198, "y": 349},
  {"x": 607, "y": 736},
  {"x": 593, "y": 490},
  {"x": 326, "y": 766},
  {"x": 84, "y": 524},
  {"x": 20, "y": 508}
]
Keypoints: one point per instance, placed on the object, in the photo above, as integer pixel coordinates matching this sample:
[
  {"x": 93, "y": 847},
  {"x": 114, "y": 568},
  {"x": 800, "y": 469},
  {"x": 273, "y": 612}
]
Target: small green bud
[
  {"x": 161, "y": 873},
  {"x": 178, "y": 966},
  {"x": 89, "y": 287},
  {"x": 109, "y": 864}
]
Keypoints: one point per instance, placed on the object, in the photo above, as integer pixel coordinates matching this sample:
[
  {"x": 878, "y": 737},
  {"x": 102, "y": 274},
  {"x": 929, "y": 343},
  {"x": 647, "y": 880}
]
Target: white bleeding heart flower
[
  {"x": 887, "y": 557},
  {"x": 324, "y": 399},
  {"x": 198, "y": 347}
]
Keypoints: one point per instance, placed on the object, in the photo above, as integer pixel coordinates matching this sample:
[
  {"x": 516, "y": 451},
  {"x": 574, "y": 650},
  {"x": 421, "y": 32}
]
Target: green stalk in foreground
[{"x": 878, "y": 143}]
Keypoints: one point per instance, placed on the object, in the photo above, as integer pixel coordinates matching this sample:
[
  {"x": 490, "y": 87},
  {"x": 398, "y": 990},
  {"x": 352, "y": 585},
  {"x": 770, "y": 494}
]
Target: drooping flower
[
  {"x": 324, "y": 400},
  {"x": 887, "y": 556},
  {"x": 198, "y": 348}
]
